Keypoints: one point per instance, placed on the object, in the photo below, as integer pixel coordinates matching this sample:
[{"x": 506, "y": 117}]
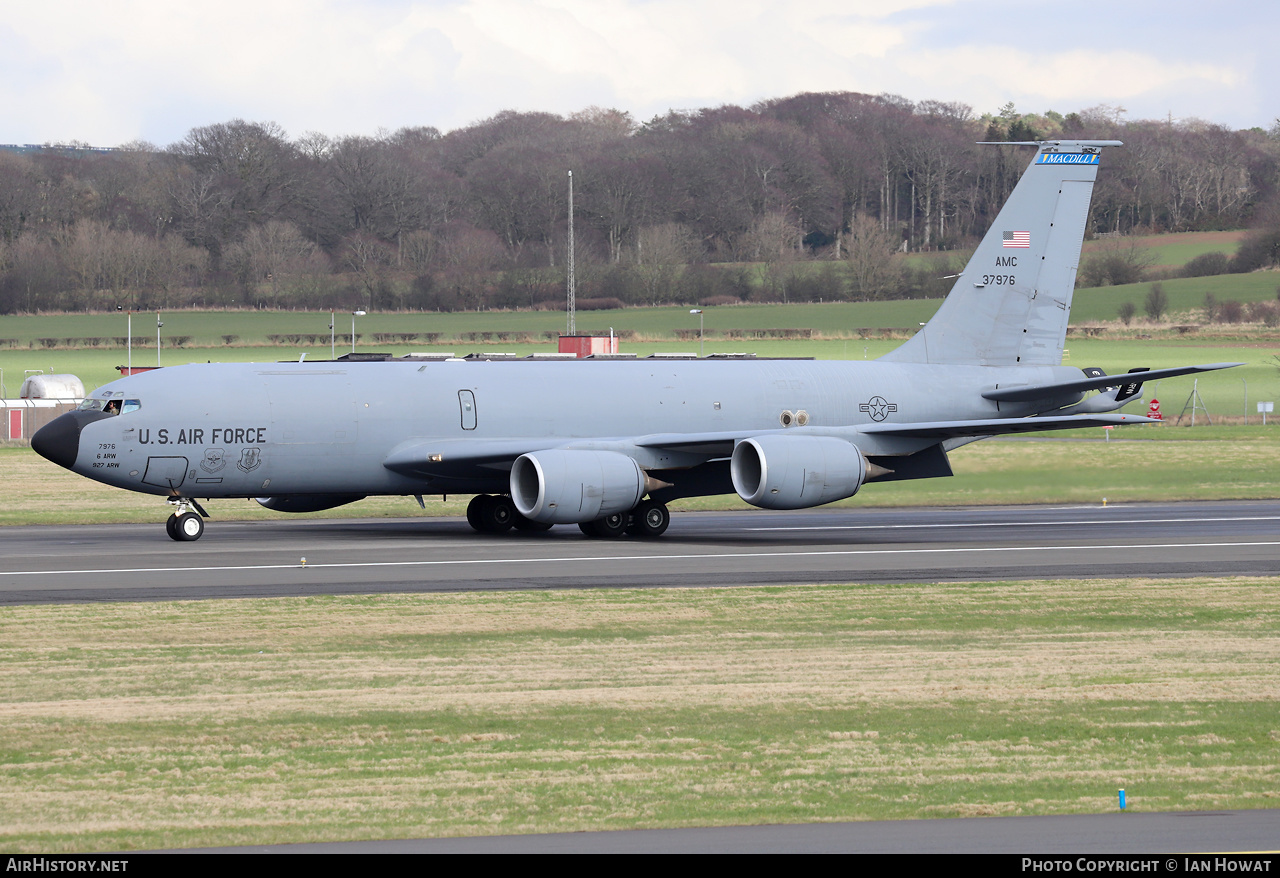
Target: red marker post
[{"x": 1153, "y": 410}]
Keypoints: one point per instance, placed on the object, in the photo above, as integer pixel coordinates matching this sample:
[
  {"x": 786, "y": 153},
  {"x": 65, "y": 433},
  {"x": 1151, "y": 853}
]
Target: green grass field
[
  {"x": 837, "y": 324},
  {"x": 833, "y": 319},
  {"x": 1175, "y": 250},
  {"x": 1186, "y": 296},
  {"x": 157, "y": 725}
]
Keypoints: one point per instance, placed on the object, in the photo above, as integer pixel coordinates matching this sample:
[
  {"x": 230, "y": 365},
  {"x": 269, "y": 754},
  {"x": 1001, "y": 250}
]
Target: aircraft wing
[
  {"x": 716, "y": 444},
  {"x": 1028, "y": 393},
  {"x": 1001, "y": 426},
  {"x": 472, "y": 458},
  {"x": 460, "y": 458},
  {"x": 721, "y": 444}
]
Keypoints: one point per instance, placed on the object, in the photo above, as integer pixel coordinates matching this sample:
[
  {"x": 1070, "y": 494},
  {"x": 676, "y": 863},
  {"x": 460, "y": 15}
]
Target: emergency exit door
[{"x": 467, "y": 405}]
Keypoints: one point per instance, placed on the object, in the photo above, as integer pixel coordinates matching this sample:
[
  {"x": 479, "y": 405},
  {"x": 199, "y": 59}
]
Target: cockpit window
[{"x": 111, "y": 406}]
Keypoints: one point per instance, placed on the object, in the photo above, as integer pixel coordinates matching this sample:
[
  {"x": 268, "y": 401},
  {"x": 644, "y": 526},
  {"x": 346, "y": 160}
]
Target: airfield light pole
[
  {"x": 698, "y": 311},
  {"x": 354, "y": 315},
  {"x": 332, "y": 349},
  {"x": 158, "y": 325}
]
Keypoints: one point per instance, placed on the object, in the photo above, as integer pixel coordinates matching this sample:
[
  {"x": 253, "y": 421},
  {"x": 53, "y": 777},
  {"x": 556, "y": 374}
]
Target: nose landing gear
[{"x": 187, "y": 521}]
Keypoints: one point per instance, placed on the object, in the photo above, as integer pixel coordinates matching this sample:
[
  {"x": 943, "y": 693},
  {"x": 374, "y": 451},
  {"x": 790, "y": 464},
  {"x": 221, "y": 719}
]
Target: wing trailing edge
[
  {"x": 1000, "y": 426},
  {"x": 1030, "y": 393}
]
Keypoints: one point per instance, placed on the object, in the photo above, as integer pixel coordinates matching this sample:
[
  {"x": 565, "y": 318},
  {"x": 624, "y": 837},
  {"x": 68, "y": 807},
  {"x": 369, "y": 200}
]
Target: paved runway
[{"x": 242, "y": 559}]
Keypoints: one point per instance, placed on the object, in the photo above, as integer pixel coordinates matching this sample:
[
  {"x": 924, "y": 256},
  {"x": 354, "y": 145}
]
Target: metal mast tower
[{"x": 572, "y": 291}]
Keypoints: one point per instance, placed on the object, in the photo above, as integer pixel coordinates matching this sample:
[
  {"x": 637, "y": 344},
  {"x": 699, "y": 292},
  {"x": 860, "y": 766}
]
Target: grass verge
[{"x": 130, "y": 726}]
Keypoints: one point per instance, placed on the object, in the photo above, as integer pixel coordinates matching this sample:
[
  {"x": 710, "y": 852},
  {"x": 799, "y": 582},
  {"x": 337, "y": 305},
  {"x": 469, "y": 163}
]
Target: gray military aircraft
[{"x": 606, "y": 444}]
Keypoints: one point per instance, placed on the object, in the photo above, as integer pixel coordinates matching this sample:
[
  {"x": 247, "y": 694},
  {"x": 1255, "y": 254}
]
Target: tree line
[{"x": 801, "y": 198}]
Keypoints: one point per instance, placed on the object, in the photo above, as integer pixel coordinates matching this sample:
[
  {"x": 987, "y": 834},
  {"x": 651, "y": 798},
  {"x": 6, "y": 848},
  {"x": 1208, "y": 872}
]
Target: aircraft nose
[{"x": 59, "y": 440}]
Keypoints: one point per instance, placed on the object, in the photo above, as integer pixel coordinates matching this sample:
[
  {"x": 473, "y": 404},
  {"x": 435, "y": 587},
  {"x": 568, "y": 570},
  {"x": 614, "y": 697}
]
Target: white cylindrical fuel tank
[{"x": 52, "y": 387}]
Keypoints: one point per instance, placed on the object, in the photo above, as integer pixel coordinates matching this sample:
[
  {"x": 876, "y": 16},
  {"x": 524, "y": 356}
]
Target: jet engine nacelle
[
  {"x": 572, "y": 486},
  {"x": 796, "y": 472}
]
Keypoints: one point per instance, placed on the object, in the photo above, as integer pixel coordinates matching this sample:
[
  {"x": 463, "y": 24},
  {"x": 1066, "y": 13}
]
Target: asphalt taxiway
[
  {"x": 1169, "y": 837},
  {"x": 363, "y": 556}
]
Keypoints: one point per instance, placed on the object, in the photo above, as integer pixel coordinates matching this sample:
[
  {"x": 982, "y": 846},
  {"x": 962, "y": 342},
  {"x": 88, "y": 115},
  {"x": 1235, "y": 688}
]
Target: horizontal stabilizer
[
  {"x": 1029, "y": 393},
  {"x": 1001, "y": 426}
]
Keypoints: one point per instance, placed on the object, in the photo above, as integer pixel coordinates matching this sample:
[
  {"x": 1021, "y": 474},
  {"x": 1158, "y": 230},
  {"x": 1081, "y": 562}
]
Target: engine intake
[
  {"x": 796, "y": 472},
  {"x": 572, "y": 486}
]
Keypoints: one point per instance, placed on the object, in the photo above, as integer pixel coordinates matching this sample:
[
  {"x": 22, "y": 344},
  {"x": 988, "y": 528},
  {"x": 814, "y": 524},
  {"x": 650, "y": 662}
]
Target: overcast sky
[{"x": 110, "y": 73}]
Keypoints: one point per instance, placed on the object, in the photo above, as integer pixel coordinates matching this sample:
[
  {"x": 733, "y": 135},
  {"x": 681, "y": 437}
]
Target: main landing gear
[
  {"x": 495, "y": 514},
  {"x": 490, "y": 514},
  {"x": 187, "y": 521},
  {"x": 649, "y": 519}
]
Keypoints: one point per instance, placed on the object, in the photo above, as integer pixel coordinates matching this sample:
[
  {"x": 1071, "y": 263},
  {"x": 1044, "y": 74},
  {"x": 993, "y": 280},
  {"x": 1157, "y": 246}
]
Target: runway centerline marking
[
  {"x": 616, "y": 558},
  {"x": 1012, "y": 523}
]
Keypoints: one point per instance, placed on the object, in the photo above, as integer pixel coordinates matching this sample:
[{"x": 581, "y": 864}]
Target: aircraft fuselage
[{"x": 249, "y": 430}]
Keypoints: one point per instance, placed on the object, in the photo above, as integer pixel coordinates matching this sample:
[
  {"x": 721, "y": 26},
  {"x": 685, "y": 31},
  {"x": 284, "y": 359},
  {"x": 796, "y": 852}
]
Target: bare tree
[
  {"x": 774, "y": 240},
  {"x": 369, "y": 258},
  {"x": 661, "y": 253},
  {"x": 274, "y": 254},
  {"x": 1114, "y": 263},
  {"x": 236, "y": 174},
  {"x": 470, "y": 257},
  {"x": 870, "y": 256},
  {"x": 1156, "y": 303}
]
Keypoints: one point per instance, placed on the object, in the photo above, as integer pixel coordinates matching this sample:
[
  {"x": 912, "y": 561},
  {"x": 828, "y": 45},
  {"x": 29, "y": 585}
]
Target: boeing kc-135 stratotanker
[{"x": 606, "y": 444}]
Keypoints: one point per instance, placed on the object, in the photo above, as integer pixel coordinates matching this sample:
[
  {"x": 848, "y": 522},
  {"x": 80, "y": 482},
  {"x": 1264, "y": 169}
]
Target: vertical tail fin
[{"x": 1012, "y": 302}]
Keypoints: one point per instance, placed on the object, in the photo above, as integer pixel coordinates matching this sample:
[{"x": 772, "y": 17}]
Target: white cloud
[
  {"x": 1066, "y": 79},
  {"x": 109, "y": 73}
]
